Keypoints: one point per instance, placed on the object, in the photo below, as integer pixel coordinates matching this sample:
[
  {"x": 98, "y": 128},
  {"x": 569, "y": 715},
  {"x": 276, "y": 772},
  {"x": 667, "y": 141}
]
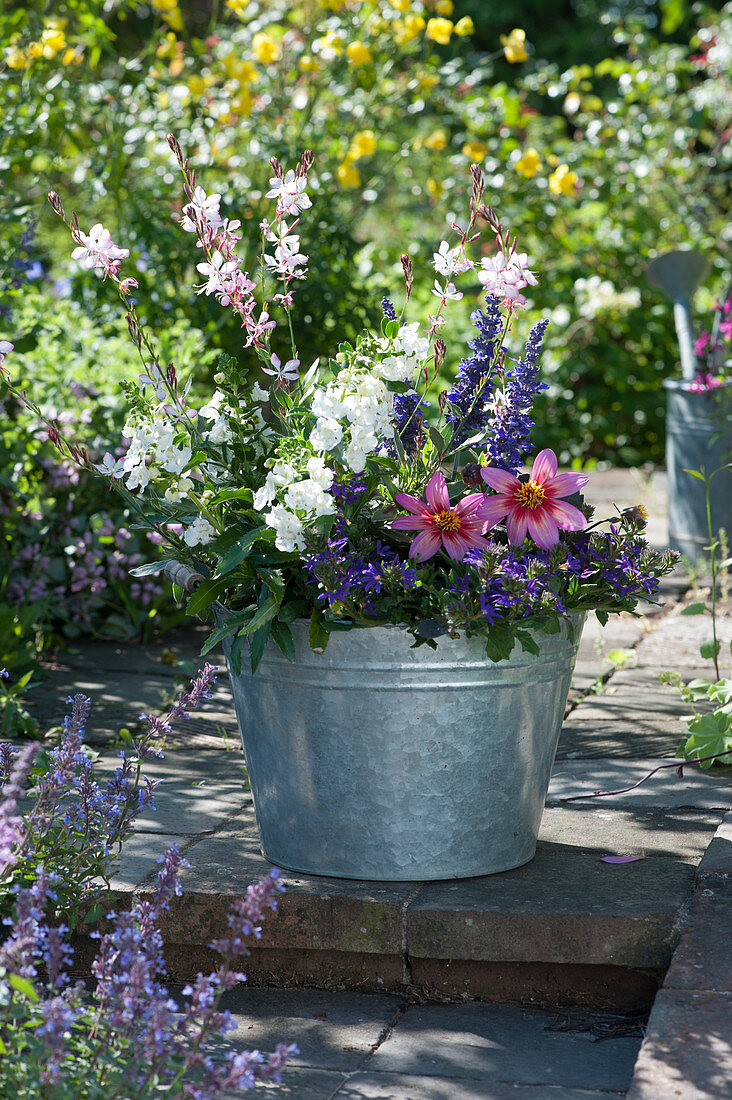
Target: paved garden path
[{"x": 399, "y": 966}]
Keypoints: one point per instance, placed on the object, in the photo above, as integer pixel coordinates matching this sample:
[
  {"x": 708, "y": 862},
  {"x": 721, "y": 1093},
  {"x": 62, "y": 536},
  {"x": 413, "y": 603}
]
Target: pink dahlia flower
[
  {"x": 534, "y": 505},
  {"x": 456, "y": 527}
]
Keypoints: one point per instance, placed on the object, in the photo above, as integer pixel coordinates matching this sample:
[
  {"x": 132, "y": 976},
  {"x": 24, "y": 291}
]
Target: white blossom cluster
[{"x": 302, "y": 500}]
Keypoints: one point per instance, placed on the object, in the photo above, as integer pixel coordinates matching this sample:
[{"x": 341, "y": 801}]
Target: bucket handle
[{"x": 188, "y": 578}]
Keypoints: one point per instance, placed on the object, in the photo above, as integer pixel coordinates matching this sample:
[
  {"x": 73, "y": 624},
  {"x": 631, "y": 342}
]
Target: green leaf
[
  {"x": 709, "y": 735},
  {"x": 94, "y": 913},
  {"x": 696, "y": 474},
  {"x": 205, "y": 594},
  {"x": 151, "y": 568},
  {"x": 499, "y": 643},
  {"x": 601, "y": 616},
  {"x": 318, "y": 636},
  {"x": 22, "y": 985},
  {"x": 695, "y": 609},
  {"x": 672, "y": 15},
  {"x": 230, "y": 626},
  {"x": 262, "y": 615},
  {"x": 230, "y": 494},
  {"x": 282, "y": 635},
  {"x": 710, "y": 650},
  {"x": 528, "y": 642},
  {"x": 437, "y": 440},
  {"x": 236, "y": 554}
]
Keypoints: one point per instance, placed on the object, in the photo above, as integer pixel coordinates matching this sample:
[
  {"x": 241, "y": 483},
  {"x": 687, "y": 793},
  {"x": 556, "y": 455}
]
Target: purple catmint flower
[
  {"x": 408, "y": 421},
  {"x": 14, "y": 771},
  {"x": 388, "y": 309},
  {"x": 247, "y": 913}
]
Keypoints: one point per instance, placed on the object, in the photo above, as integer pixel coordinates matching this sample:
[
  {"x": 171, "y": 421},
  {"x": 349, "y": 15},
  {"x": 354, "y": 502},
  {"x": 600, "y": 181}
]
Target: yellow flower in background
[
  {"x": 197, "y": 85},
  {"x": 171, "y": 13},
  {"x": 439, "y": 30},
  {"x": 406, "y": 29},
  {"x": 308, "y": 64},
  {"x": 562, "y": 181},
  {"x": 444, "y": 7},
  {"x": 237, "y": 6},
  {"x": 427, "y": 81},
  {"x": 238, "y": 68},
  {"x": 53, "y": 40},
  {"x": 330, "y": 45},
  {"x": 514, "y": 46},
  {"x": 176, "y": 67},
  {"x": 168, "y": 46},
  {"x": 163, "y": 100},
  {"x": 358, "y": 54},
  {"x": 400, "y": 5},
  {"x": 334, "y": 5},
  {"x": 16, "y": 59},
  {"x": 528, "y": 163},
  {"x": 475, "y": 151},
  {"x": 35, "y": 49},
  {"x": 465, "y": 26},
  {"x": 436, "y": 141},
  {"x": 363, "y": 145},
  {"x": 348, "y": 176},
  {"x": 265, "y": 48},
  {"x": 434, "y": 187},
  {"x": 72, "y": 57},
  {"x": 242, "y": 103}
]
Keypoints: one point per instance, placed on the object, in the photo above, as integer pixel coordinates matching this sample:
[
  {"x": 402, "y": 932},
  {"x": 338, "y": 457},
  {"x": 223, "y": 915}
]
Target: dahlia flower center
[
  {"x": 448, "y": 520},
  {"x": 530, "y": 495}
]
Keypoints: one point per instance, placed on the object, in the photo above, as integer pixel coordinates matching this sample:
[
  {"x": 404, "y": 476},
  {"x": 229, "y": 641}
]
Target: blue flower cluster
[
  {"x": 472, "y": 393},
  {"x": 592, "y": 569},
  {"x": 347, "y": 575},
  {"x": 511, "y": 424},
  {"x": 408, "y": 421},
  {"x": 388, "y": 309}
]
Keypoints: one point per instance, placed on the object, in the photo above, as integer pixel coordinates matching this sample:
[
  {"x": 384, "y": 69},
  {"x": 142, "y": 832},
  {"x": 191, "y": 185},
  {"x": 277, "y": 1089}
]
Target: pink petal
[
  {"x": 499, "y": 479},
  {"x": 455, "y": 545},
  {"x": 436, "y": 493},
  {"x": 543, "y": 529},
  {"x": 620, "y": 859},
  {"x": 469, "y": 504},
  {"x": 563, "y": 485},
  {"x": 411, "y": 504},
  {"x": 411, "y": 523},
  {"x": 494, "y": 509},
  {"x": 545, "y": 466},
  {"x": 517, "y": 525},
  {"x": 565, "y": 515},
  {"x": 426, "y": 544}
]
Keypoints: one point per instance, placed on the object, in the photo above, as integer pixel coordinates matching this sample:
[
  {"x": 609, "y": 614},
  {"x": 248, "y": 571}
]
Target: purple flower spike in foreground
[
  {"x": 534, "y": 505},
  {"x": 456, "y": 528}
]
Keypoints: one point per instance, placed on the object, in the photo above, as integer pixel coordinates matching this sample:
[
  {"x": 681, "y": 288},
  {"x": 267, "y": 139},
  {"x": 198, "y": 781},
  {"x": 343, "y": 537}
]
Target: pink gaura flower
[
  {"x": 456, "y": 528},
  {"x": 534, "y": 505}
]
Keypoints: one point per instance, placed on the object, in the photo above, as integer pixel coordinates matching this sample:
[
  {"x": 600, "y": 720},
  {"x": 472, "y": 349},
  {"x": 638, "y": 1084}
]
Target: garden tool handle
[
  {"x": 685, "y": 334},
  {"x": 183, "y": 575}
]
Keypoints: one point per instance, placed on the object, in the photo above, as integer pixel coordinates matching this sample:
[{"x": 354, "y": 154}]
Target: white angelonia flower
[
  {"x": 265, "y": 494},
  {"x": 220, "y": 432},
  {"x": 412, "y": 343},
  {"x": 395, "y": 368},
  {"x": 319, "y": 472},
  {"x": 326, "y": 434},
  {"x": 288, "y": 528},
  {"x": 308, "y": 496},
  {"x": 258, "y": 394},
  {"x": 175, "y": 493},
  {"x": 199, "y": 533},
  {"x": 212, "y": 410},
  {"x": 174, "y": 460},
  {"x": 138, "y": 477}
]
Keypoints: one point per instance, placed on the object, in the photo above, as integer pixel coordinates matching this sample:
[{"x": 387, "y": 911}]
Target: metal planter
[
  {"x": 375, "y": 760},
  {"x": 698, "y": 433}
]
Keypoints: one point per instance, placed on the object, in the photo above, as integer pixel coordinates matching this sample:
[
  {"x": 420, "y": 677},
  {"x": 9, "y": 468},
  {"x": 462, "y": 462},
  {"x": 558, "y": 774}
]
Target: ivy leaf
[
  {"x": 318, "y": 636},
  {"x": 430, "y": 628},
  {"x": 528, "y": 642},
  {"x": 499, "y": 643},
  {"x": 709, "y": 735}
]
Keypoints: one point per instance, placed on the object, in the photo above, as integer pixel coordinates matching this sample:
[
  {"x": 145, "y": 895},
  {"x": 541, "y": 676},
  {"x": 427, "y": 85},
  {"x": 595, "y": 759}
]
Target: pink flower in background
[
  {"x": 534, "y": 506},
  {"x": 455, "y": 528},
  {"x": 5, "y": 348}
]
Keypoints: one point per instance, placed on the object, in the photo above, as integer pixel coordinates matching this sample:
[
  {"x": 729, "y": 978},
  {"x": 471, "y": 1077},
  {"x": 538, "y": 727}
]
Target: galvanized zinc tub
[
  {"x": 698, "y": 433},
  {"x": 378, "y": 761}
]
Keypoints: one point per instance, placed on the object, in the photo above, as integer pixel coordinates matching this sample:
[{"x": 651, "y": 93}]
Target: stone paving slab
[
  {"x": 687, "y": 1053},
  {"x": 703, "y": 961},
  {"x": 709, "y": 790},
  {"x": 382, "y": 1047}
]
